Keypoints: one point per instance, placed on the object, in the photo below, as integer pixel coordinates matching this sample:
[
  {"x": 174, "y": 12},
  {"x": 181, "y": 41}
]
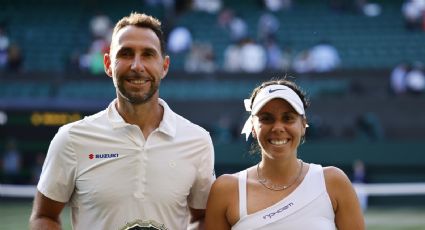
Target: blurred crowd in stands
[
  {"x": 414, "y": 14},
  {"x": 11, "y": 57},
  {"x": 408, "y": 78},
  {"x": 245, "y": 52}
]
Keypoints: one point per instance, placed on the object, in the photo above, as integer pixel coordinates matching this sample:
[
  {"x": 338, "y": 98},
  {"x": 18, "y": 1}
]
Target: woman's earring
[{"x": 302, "y": 140}]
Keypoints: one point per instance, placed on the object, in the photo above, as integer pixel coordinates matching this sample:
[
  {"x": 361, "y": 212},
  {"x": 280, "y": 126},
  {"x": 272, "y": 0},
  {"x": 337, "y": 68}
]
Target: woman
[{"x": 282, "y": 191}]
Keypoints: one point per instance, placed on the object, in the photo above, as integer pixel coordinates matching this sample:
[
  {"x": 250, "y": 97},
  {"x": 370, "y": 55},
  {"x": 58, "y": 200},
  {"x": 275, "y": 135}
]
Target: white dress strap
[
  {"x": 291, "y": 210},
  {"x": 242, "y": 194}
]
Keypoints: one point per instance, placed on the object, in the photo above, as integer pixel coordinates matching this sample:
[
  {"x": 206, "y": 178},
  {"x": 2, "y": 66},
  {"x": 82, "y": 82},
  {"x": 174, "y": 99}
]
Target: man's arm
[
  {"x": 45, "y": 213},
  {"x": 197, "y": 218}
]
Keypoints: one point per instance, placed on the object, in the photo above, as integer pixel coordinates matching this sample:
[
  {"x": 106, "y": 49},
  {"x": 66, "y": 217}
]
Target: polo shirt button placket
[
  {"x": 142, "y": 180},
  {"x": 139, "y": 193}
]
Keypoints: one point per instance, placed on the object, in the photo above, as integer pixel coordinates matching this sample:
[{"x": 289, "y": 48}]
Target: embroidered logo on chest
[{"x": 103, "y": 155}]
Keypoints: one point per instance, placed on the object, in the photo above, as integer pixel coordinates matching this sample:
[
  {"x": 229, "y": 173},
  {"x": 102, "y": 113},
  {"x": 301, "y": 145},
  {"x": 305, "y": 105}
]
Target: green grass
[
  {"x": 391, "y": 218},
  {"x": 14, "y": 215}
]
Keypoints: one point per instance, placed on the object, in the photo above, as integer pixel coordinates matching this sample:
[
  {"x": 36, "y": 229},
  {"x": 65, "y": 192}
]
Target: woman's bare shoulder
[
  {"x": 226, "y": 182},
  {"x": 348, "y": 214},
  {"x": 334, "y": 175},
  {"x": 338, "y": 184}
]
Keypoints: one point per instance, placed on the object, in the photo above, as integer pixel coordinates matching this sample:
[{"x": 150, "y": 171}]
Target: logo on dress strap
[{"x": 270, "y": 215}]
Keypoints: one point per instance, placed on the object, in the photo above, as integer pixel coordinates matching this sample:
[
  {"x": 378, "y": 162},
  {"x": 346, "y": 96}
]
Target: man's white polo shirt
[{"x": 113, "y": 177}]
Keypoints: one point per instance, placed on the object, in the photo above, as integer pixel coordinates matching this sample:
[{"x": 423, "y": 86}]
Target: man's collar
[
  {"x": 168, "y": 123},
  {"x": 166, "y": 126}
]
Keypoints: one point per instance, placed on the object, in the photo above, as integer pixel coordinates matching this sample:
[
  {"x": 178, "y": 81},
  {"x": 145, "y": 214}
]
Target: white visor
[{"x": 267, "y": 94}]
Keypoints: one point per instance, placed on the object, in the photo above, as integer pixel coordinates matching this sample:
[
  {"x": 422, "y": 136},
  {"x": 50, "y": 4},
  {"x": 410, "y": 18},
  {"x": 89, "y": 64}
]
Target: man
[{"x": 135, "y": 165}]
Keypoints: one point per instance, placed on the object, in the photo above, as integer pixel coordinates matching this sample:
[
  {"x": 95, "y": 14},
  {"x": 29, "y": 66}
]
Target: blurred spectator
[
  {"x": 92, "y": 61},
  {"x": 398, "y": 78},
  {"x": 235, "y": 25},
  {"x": 413, "y": 12},
  {"x": 274, "y": 55},
  {"x": 302, "y": 63},
  {"x": 238, "y": 28},
  {"x": 201, "y": 58},
  {"x": 371, "y": 9},
  {"x": 324, "y": 57},
  {"x": 277, "y": 5},
  {"x": 252, "y": 57},
  {"x": 100, "y": 26},
  {"x": 415, "y": 79},
  {"x": 246, "y": 56},
  {"x": 14, "y": 59},
  {"x": 268, "y": 25},
  {"x": 210, "y": 6},
  {"x": 179, "y": 40},
  {"x": 232, "y": 57},
  {"x": 4, "y": 47},
  {"x": 11, "y": 163}
]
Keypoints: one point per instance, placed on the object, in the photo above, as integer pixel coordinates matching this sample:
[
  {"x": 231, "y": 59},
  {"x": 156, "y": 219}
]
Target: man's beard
[{"x": 136, "y": 98}]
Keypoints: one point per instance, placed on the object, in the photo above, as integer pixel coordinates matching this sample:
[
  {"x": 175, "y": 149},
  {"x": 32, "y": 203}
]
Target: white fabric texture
[
  {"x": 112, "y": 175},
  {"x": 307, "y": 207}
]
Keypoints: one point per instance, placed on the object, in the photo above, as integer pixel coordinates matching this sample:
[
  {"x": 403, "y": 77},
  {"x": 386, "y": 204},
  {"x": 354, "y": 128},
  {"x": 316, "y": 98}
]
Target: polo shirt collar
[
  {"x": 168, "y": 123},
  {"x": 166, "y": 126}
]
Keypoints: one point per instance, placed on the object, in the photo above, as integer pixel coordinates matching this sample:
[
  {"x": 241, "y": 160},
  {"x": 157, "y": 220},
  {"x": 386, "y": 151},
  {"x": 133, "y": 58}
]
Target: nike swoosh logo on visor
[{"x": 274, "y": 90}]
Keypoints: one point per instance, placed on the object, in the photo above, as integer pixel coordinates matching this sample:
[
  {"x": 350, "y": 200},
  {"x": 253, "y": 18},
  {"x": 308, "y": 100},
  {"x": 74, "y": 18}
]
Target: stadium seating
[{"x": 51, "y": 30}]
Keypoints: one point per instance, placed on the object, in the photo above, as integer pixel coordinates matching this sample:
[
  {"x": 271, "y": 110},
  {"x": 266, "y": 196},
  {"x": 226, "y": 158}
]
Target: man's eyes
[
  {"x": 148, "y": 54},
  {"x": 125, "y": 53}
]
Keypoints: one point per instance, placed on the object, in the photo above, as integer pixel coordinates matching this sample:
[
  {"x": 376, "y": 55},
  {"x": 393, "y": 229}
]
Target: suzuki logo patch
[{"x": 102, "y": 155}]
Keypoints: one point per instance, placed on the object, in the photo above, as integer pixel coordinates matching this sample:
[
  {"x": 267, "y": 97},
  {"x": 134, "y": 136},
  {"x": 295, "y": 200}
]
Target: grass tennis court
[{"x": 14, "y": 215}]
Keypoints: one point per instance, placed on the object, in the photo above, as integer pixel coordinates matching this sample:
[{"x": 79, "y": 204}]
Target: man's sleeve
[
  {"x": 205, "y": 177},
  {"x": 57, "y": 178}
]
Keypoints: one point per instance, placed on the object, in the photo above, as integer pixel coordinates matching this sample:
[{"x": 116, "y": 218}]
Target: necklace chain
[{"x": 276, "y": 187}]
